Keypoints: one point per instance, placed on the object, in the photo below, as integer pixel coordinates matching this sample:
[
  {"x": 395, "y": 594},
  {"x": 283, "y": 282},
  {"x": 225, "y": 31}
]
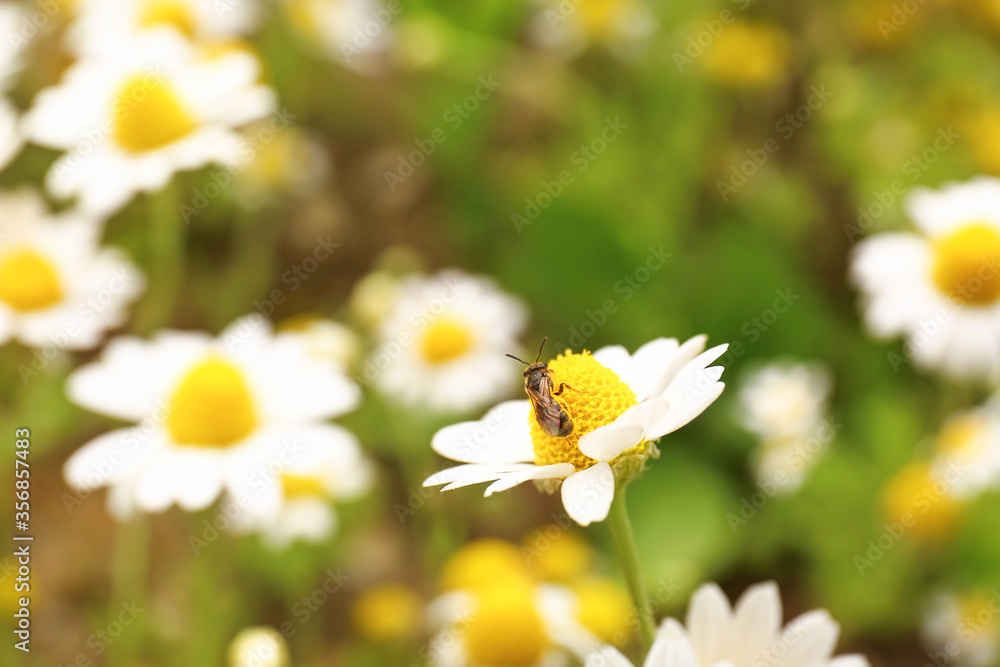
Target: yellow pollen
[
  {"x": 388, "y": 612},
  {"x": 149, "y": 115},
  {"x": 168, "y": 12},
  {"x": 445, "y": 340},
  {"x": 920, "y": 503},
  {"x": 597, "y": 397},
  {"x": 965, "y": 265},
  {"x": 303, "y": 486},
  {"x": 481, "y": 562},
  {"x": 505, "y": 630},
  {"x": 29, "y": 281},
  {"x": 604, "y": 608},
  {"x": 211, "y": 406}
]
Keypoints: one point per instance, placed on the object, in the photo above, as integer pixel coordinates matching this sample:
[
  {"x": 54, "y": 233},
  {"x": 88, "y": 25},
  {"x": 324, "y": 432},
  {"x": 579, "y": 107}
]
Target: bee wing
[{"x": 548, "y": 412}]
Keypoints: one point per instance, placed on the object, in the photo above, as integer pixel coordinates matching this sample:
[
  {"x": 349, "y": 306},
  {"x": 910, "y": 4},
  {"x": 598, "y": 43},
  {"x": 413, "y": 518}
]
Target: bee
[{"x": 538, "y": 384}]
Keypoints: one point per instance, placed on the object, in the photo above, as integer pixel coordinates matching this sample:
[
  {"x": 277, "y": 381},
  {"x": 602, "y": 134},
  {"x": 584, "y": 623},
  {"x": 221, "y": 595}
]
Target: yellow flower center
[
  {"x": 29, "y": 281},
  {"x": 388, "y": 612},
  {"x": 978, "y": 615},
  {"x": 481, "y": 563},
  {"x": 959, "y": 433},
  {"x": 920, "y": 502},
  {"x": 149, "y": 115},
  {"x": 505, "y": 630},
  {"x": 749, "y": 54},
  {"x": 564, "y": 558},
  {"x": 445, "y": 340},
  {"x": 302, "y": 486},
  {"x": 597, "y": 397},
  {"x": 965, "y": 265},
  {"x": 604, "y": 608},
  {"x": 212, "y": 406},
  {"x": 168, "y": 12},
  {"x": 599, "y": 16}
]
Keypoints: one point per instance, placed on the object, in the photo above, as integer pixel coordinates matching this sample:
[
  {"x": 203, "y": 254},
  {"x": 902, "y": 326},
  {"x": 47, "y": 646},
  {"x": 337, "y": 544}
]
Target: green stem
[
  {"x": 165, "y": 259},
  {"x": 621, "y": 531},
  {"x": 129, "y": 586}
]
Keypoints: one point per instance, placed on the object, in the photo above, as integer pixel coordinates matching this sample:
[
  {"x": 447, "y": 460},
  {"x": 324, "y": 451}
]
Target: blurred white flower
[
  {"x": 58, "y": 286},
  {"x": 355, "y": 33},
  {"x": 259, "y": 646},
  {"x": 969, "y": 441},
  {"x": 128, "y": 121},
  {"x": 570, "y": 27},
  {"x": 102, "y": 26},
  {"x": 939, "y": 288},
  {"x": 325, "y": 338},
  {"x": 619, "y": 404},
  {"x": 784, "y": 404},
  {"x": 442, "y": 346},
  {"x": 10, "y": 135},
  {"x": 205, "y": 411},
  {"x": 287, "y": 161},
  {"x": 965, "y": 627},
  {"x": 12, "y": 18},
  {"x": 510, "y": 620},
  {"x": 751, "y": 634},
  {"x": 293, "y": 503}
]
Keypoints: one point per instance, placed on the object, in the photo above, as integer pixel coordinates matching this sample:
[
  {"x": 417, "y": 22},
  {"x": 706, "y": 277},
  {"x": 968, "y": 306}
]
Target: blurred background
[{"x": 696, "y": 168}]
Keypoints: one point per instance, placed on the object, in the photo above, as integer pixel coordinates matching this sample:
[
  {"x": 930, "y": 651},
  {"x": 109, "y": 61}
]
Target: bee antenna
[
  {"x": 539, "y": 355},
  {"x": 516, "y": 359}
]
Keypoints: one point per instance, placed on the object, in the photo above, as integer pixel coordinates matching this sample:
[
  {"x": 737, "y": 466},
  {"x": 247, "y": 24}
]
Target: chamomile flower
[
  {"x": 784, "y": 403},
  {"x": 748, "y": 54},
  {"x": 508, "y": 620},
  {"x": 970, "y": 441},
  {"x": 102, "y": 26},
  {"x": 206, "y": 410},
  {"x": 326, "y": 338},
  {"x": 355, "y": 33},
  {"x": 12, "y": 18},
  {"x": 922, "y": 498},
  {"x": 939, "y": 288},
  {"x": 966, "y": 625},
  {"x": 294, "y": 503},
  {"x": 58, "y": 286},
  {"x": 258, "y": 646},
  {"x": 619, "y": 404},
  {"x": 128, "y": 122},
  {"x": 747, "y": 634},
  {"x": 387, "y": 613},
  {"x": 10, "y": 136},
  {"x": 286, "y": 161},
  {"x": 443, "y": 331},
  {"x": 569, "y": 27}
]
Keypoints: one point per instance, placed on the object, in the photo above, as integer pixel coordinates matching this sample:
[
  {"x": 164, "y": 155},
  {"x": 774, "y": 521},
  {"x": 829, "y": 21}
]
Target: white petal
[
  {"x": 553, "y": 471},
  {"x": 187, "y": 476},
  {"x": 688, "y": 351},
  {"x": 501, "y": 436},
  {"x": 709, "y": 619},
  {"x": 606, "y": 442},
  {"x": 810, "y": 639},
  {"x": 607, "y": 656},
  {"x": 478, "y": 472},
  {"x": 671, "y": 652},
  {"x": 850, "y": 660},
  {"x": 756, "y": 622},
  {"x": 649, "y": 364},
  {"x": 616, "y": 358},
  {"x": 587, "y": 494}
]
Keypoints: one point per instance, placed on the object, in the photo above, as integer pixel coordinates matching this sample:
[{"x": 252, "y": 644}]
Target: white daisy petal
[
  {"x": 671, "y": 652},
  {"x": 509, "y": 481},
  {"x": 690, "y": 349},
  {"x": 587, "y": 495},
  {"x": 607, "y": 442},
  {"x": 709, "y": 623},
  {"x": 501, "y": 436},
  {"x": 756, "y": 621},
  {"x": 607, "y": 656},
  {"x": 811, "y": 639},
  {"x": 458, "y": 476}
]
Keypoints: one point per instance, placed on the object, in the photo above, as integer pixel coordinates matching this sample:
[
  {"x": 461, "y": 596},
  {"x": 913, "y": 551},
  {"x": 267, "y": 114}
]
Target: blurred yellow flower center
[
  {"x": 445, "y": 340},
  {"x": 149, "y": 115},
  {"x": 965, "y": 265},
  {"x": 749, "y": 54},
  {"x": 211, "y": 406},
  {"x": 915, "y": 494},
  {"x": 28, "y": 281},
  {"x": 481, "y": 563},
  {"x": 604, "y": 608},
  {"x": 598, "y": 16},
  {"x": 388, "y": 612},
  {"x": 961, "y": 432},
  {"x": 168, "y": 12},
  {"x": 598, "y": 397},
  {"x": 302, "y": 486},
  {"x": 505, "y": 630},
  {"x": 565, "y": 558},
  {"x": 978, "y": 615}
]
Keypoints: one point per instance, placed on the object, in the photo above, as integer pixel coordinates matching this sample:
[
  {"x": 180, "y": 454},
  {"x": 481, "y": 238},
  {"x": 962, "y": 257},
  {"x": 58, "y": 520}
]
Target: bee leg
[{"x": 563, "y": 385}]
